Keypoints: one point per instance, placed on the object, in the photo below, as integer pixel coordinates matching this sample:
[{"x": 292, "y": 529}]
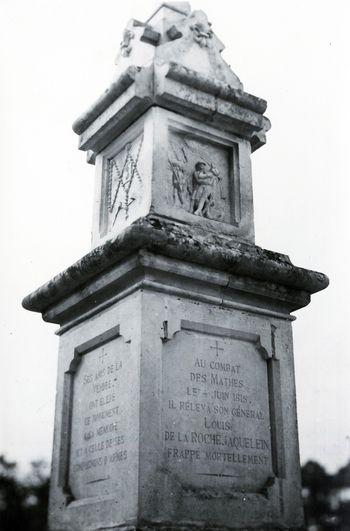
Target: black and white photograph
[{"x": 175, "y": 207}]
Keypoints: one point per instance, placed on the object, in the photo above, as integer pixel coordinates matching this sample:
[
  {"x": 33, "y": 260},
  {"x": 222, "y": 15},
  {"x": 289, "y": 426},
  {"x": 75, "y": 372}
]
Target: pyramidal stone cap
[{"x": 172, "y": 60}]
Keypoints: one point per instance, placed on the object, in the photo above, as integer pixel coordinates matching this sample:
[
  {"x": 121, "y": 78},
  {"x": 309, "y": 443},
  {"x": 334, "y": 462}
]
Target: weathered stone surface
[
  {"x": 138, "y": 88},
  {"x": 214, "y": 86},
  {"x": 113, "y": 92},
  {"x": 181, "y": 242}
]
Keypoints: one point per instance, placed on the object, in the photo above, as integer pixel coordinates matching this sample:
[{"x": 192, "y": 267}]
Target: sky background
[{"x": 57, "y": 57}]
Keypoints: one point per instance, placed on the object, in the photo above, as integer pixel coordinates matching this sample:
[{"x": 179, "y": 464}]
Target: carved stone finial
[
  {"x": 202, "y": 32},
  {"x": 175, "y": 34},
  {"x": 125, "y": 45}
]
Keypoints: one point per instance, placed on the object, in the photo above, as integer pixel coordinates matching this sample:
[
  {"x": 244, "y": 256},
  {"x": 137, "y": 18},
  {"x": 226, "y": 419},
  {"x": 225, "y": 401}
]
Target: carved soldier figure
[
  {"x": 203, "y": 179},
  {"x": 178, "y": 179}
]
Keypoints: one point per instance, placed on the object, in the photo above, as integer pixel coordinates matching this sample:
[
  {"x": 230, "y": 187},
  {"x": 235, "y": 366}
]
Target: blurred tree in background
[
  {"x": 326, "y": 498},
  {"x": 316, "y": 487},
  {"x": 23, "y": 503}
]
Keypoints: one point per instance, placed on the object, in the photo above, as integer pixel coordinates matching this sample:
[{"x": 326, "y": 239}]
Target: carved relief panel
[
  {"x": 208, "y": 176},
  {"x": 200, "y": 176},
  {"x": 123, "y": 181}
]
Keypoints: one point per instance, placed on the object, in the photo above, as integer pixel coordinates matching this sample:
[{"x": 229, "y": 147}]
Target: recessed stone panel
[
  {"x": 216, "y": 418},
  {"x": 123, "y": 181},
  {"x": 201, "y": 172},
  {"x": 124, "y": 173},
  {"x": 101, "y": 435}
]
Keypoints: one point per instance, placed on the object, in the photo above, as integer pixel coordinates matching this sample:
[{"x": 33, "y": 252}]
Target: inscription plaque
[
  {"x": 216, "y": 418},
  {"x": 100, "y": 427}
]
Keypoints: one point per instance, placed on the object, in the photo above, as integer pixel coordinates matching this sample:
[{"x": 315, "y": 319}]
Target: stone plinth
[{"x": 175, "y": 394}]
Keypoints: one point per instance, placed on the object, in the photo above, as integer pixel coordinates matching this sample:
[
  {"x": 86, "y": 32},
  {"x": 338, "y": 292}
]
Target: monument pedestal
[{"x": 175, "y": 395}]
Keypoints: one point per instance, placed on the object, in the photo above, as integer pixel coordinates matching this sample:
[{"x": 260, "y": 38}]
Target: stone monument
[{"x": 175, "y": 394}]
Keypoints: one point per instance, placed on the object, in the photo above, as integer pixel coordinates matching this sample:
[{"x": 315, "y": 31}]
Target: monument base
[{"x": 176, "y": 396}]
